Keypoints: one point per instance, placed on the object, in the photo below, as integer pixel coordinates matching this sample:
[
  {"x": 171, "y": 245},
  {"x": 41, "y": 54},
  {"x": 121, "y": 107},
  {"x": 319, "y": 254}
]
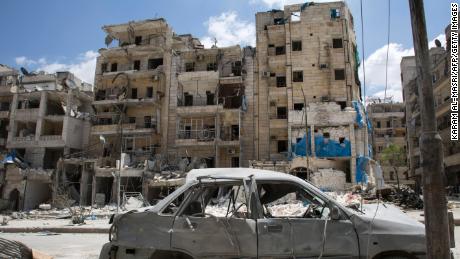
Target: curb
[
  {"x": 76, "y": 230},
  {"x": 456, "y": 221}
]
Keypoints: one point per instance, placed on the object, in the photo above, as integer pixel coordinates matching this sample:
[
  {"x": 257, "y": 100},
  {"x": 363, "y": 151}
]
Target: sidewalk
[{"x": 55, "y": 225}]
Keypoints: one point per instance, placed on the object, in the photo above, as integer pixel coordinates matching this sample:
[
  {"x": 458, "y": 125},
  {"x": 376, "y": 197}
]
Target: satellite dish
[
  {"x": 437, "y": 43},
  {"x": 24, "y": 71}
]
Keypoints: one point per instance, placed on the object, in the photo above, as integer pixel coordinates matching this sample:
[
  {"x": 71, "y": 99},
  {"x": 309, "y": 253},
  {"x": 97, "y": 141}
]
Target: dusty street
[
  {"x": 68, "y": 246},
  {"x": 85, "y": 246}
]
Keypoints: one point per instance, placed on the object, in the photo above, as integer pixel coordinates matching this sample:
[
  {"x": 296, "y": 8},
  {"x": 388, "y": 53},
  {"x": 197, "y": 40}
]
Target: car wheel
[{"x": 14, "y": 249}]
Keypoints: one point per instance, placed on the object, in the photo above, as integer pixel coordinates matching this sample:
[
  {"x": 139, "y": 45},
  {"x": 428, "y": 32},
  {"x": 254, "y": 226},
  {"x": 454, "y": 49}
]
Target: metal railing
[
  {"x": 197, "y": 101},
  {"x": 201, "y": 134}
]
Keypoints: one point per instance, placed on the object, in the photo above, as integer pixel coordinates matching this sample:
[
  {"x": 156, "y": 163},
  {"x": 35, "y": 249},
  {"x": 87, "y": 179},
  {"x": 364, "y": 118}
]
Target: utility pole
[{"x": 434, "y": 196}]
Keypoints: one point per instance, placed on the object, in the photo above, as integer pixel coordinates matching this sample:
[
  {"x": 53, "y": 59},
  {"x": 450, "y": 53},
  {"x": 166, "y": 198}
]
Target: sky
[{"x": 56, "y": 35}]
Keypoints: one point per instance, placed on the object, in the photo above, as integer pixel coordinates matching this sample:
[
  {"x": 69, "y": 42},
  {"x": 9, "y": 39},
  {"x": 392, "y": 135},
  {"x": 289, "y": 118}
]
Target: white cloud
[
  {"x": 281, "y": 3},
  {"x": 23, "y": 61},
  {"x": 84, "y": 66},
  {"x": 375, "y": 69},
  {"x": 229, "y": 30}
]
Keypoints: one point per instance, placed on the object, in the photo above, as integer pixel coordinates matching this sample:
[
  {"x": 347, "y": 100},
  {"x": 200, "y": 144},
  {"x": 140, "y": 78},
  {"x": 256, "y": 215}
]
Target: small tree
[{"x": 394, "y": 156}]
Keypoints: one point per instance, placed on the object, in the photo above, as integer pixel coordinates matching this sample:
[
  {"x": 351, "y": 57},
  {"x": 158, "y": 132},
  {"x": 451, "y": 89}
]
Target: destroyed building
[
  {"x": 389, "y": 128},
  {"x": 49, "y": 118},
  {"x": 164, "y": 104},
  {"x": 440, "y": 67},
  {"x": 306, "y": 76}
]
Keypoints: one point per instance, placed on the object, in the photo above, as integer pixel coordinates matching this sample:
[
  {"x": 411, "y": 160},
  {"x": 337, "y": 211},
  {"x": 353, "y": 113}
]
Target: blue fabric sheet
[
  {"x": 324, "y": 147},
  {"x": 361, "y": 163}
]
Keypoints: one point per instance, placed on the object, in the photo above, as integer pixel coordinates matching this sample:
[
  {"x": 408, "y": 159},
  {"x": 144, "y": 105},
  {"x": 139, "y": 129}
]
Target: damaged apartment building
[
  {"x": 49, "y": 118},
  {"x": 440, "y": 67},
  {"x": 389, "y": 128},
  {"x": 307, "y": 77},
  {"x": 164, "y": 105}
]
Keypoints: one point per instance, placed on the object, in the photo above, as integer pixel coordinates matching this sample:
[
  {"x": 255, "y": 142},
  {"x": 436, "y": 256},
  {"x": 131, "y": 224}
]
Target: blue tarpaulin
[
  {"x": 359, "y": 117},
  {"x": 9, "y": 159},
  {"x": 324, "y": 147},
  {"x": 361, "y": 163}
]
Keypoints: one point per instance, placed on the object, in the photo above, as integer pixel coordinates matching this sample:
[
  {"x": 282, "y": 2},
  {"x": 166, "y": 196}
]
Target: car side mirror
[{"x": 335, "y": 213}]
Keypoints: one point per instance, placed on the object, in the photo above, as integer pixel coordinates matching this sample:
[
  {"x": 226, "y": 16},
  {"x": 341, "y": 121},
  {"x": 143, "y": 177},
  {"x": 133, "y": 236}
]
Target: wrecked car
[{"x": 251, "y": 213}]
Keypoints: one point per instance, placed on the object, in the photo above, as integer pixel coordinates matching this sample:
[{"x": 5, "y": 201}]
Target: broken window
[
  {"x": 297, "y": 76},
  {"x": 236, "y": 68},
  {"x": 281, "y": 113},
  {"x": 335, "y": 13},
  {"x": 378, "y": 124},
  {"x": 132, "y": 120},
  {"x": 188, "y": 99},
  {"x": 295, "y": 16},
  {"x": 209, "y": 98},
  {"x": 175, "y": 204},
  {"x": 388, "y": 124},
  {"x": 282, "y": 146},
  {"x": 211, "y": 67},
  {"x": 104, "y": 67},
  {"x": 114, "y": 67},
  {"x": 219, "y": 200},
  {"x": 296, "y": 45},
  {"x": 280, "y": 50},
  {"x": 147, "y": 122},
  {"x": 149, "y": 93},
  {"x": 278, "y": 21},
  {"x": 339, "y": 74},
  {"x": 289, "y": 200},
  {"x": 190, "y": 67},
  {"x": 154, "y": 63},
  {"x": 138, "y": 40},
  {"x": 137, "y": 65},
  {"x": 298, "y": 106},
  {"x": 280, "y": 81},
  {"x": 134, "y": 93},
  {"x": 235, "y": 161},
  {"x": 337, "y": 43}
]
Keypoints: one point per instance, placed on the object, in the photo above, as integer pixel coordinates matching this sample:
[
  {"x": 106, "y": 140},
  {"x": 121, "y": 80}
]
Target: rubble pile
[
  {"x": 405, "y": 197},
  {"x": 329, "y": 179},
  {"x": 347, "y": 199},
  {"x": 288, "y": 210}
]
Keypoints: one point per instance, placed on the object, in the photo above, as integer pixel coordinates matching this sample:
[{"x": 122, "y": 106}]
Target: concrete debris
[
  {"x": 297, "y": 209},
  {"x": 133, "y": 203},
  {"x": 329, "y": 179},
  {"x": 44, "y": 206},
  {"x": 347, "y": 199}
]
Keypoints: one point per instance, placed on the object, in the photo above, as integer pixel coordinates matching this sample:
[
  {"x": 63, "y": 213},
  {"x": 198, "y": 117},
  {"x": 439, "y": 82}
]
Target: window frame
[{"x": 298, "y": 80}]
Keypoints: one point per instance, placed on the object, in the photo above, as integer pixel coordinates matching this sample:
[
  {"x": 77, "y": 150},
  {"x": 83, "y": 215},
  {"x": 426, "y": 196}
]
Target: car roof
[{"x": 239, "y": 173}]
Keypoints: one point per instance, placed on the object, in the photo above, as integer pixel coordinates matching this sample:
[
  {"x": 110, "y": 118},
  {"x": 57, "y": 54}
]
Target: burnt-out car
[{"x": 250, "y": 213}]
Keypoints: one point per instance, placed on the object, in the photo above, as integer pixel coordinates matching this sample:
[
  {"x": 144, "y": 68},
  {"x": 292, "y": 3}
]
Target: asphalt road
[
  {"x": 68, "y": 246},
  {"x": 85, "y": 246}
]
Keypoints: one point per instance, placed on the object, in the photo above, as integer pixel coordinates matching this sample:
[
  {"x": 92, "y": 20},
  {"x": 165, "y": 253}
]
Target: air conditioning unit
[
  {"x": 323, "y": 66},
  {"x": 266, "y": 74},
  {"x": 231, "y": 151},
  {"x": 272, "y": 103}
]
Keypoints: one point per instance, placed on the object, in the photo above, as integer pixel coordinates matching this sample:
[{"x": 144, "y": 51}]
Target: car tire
[{"x": 14, "y": 249}]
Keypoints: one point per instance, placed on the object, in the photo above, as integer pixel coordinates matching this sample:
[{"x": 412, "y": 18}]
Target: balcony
[
  {"x": 128, "y": 128},
  {"x": 27, "y": 114},
  {"x": 321, "y": 118},
  {"x": 201, "y": 137}
]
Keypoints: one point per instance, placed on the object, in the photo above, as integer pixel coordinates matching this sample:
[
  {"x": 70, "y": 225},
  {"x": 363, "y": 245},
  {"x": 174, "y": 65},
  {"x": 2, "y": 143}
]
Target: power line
[
  {"x": 362, "y": 43},
  {"x": 388, "y": 50}
]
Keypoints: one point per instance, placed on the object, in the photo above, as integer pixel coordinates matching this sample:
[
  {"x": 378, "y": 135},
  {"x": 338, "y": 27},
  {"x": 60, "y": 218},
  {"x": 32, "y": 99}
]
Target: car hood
[{"x": 389, "y": 219}]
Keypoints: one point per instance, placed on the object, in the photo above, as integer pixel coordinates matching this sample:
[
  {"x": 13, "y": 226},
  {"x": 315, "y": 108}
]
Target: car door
[
  {"x": 294, "y": 222},
  {"x": 214, "y": 223}
]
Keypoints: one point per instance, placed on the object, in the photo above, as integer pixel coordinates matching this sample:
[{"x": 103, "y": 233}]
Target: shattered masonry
[
  {"x": 440, "y": 66},
  {"x": 163, "y": 104}
]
